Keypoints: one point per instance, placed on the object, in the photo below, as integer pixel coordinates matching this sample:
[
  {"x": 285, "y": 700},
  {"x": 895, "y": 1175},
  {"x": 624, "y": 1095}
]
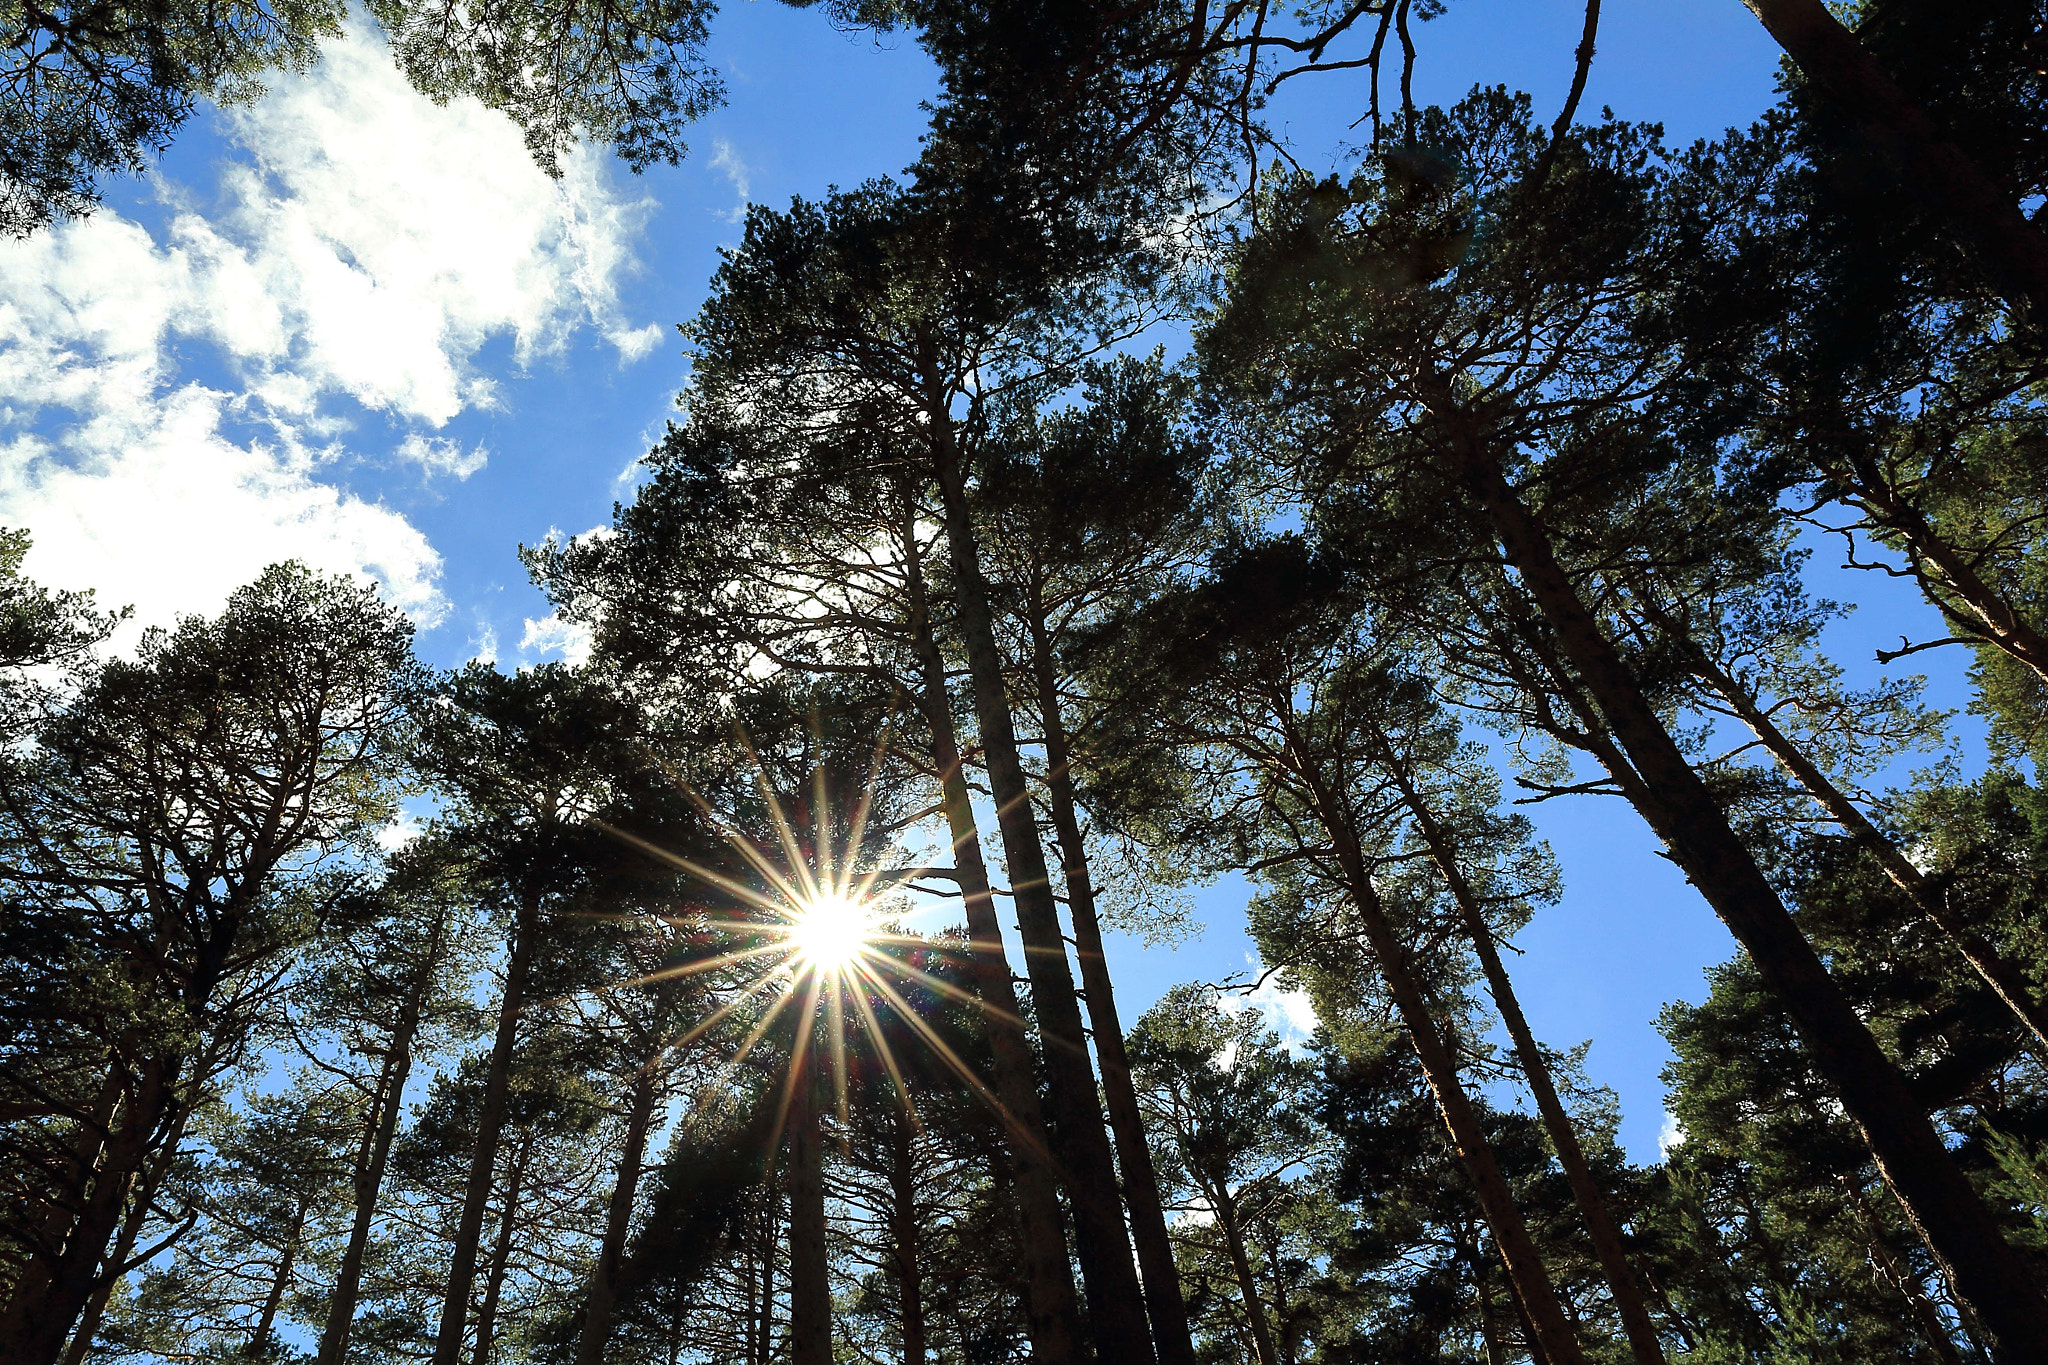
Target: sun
[{"x": 830, "y": 930}]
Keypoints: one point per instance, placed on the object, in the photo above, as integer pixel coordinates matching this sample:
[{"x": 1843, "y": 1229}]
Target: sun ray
[
  {"x": 795, "y": 1073},
  {"x": 888, "y": 1056},
  {"x": 944, "y": 1051}
]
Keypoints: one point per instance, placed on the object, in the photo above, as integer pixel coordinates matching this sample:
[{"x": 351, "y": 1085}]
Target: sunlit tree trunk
[
  {"x": 1115, "y": 1302},
  {"x": 1227, "y": 1222},
  {"x": 1051, "y": 1313},
  {"x": 490, "y": 1122},
  {"x": 1170, "y": 1331},
  {"x": 1678, "y": 806}
]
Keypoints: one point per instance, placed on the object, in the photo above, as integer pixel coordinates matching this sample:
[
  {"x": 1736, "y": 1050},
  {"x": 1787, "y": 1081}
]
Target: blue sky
[{"x": 351, "y": 327}]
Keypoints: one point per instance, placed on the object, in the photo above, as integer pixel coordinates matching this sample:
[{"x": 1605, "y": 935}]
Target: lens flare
[{"x": 830, "y": 930}]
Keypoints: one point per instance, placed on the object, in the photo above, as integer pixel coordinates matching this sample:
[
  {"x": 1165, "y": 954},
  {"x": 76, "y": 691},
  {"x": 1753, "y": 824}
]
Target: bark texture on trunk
[
  {"x": 2010, "y": 251},
  {"x": 810, "y": 1290},
  {"x": 1115, "y": 1302},
  {"x": 1683, "y": 812},
  {"x": 1637, "y": 1323},
  {"x": 484, "y": 1160},
  {"x": 599, "y": 1300},
  {"x": 1171, "y": 1335},
  {"x": 1052, "y": 1315}
]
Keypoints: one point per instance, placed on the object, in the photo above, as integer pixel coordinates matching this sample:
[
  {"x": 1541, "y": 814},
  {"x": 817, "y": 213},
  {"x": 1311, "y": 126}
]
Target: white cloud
[
  {"x": 727, "y": 162},
  {"x": 485, "y": 642},
  {"x": 553, "y": 635},
  {"x": 169, "y": 516},
  {"x": 1288, "y": 1009},
  {"x": 370, "y": 245},
  {"x": 439, "y": 455},
  {"x": 400, "y": 832},
  {"x": 1670, "y": 1135}
]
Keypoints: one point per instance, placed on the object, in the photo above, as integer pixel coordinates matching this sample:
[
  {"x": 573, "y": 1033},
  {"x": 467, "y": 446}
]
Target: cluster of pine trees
[{"x": 1492, "y": 474}]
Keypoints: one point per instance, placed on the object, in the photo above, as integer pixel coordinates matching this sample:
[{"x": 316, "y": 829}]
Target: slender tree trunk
[
  {"x": 2005, "y": 978},
  {"x": 2010, "y": 251},
  {"x": 1171, "y": 1334},
  {"x": 483, "y": 1161},
  {"x": 1946, "y": 574},
  {"x": 500, "y": 1260},
  {"x": 348, "y": 1280},
  {"x": 259, "y": 1342},
  {"x": 60, "y": 1211},
  {"x": 95, "y": 1310},
  {"x": 34, "y": 1329},
  {"x": 1051, "y": 1314},
  {"x": 1529, "y": 1336},
  {"x": 905, "y": 1238},
  {"x": 1683, "y": 812},
  {"x": 1115, "y": 1302},
  {"x": 1283, "y": 1335},
  {"x": 1518, "y": 1252},
  {"x": 1241, "y": 1265},
  {"x": 1902, "y": 1280},
  {"x": 810, "y": 1288},
  {"x": 602, "y": 1294},
  {"x": 1482, "y": 1292},
  {"x": 764, "y": 1336},
  {"x": 1637, "y": 1324}
]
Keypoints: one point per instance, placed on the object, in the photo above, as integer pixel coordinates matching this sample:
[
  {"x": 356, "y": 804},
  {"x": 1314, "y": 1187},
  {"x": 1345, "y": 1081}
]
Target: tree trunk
[
  {"x": 602, "y": 1294},
  {"x": 95, "y": 1310},
  {"x": 259, "y": 1342},
  {"x": 905, "y": 1237},
  {"x": 2006, "y": 980},
  {"x": 1678, "y": 806},
  {"x": 501, "y": 1256},
  {"x": 490, "y": 1121},
  {"x": 32, "y": 1274},
  {"x": 2009, "y": 250},
  {"x": 1170, "y": 1332},
  {"x": 1637, "y": 1324},
  {"x": 810, "y": 1288},
  {"x": 34, "y": 1328},
  {"x": 1947, "y": 577},
  {"x": 1525, "y": 1268},
  {"x": 341, "y": 1307},
  {"x": 1283, "y": 1337},
  {"x": 1247, "y": 1283},
  {"x": 1051, "y": 1314},
  {"x": 1115, "y": 1302}
]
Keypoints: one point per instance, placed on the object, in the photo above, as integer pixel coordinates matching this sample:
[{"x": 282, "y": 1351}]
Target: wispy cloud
[
  {"x": 368, "y": 244},
  {"x": 728, "y": 163}
]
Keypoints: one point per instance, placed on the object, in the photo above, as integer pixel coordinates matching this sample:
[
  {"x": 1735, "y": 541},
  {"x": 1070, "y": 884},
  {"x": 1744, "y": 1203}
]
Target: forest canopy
[{"x": 740, "y": 995}]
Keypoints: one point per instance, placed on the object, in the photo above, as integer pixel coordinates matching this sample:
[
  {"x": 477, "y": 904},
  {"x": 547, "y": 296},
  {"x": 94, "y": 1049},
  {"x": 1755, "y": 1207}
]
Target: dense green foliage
[{"x": 663, "y": 1008}]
